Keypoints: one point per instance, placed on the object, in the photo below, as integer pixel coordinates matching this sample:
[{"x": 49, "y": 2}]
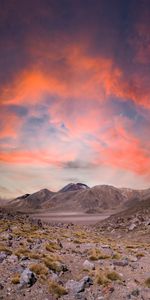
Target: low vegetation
[
  {"x": 96, "y": 254},
  {"x": 39, "y": 269},
  {"x": 113, "y": 276},
  {"x": 147, "y": 282},
  {"x": 56, "y": 289},
  {"x": 15, "y": 279}
]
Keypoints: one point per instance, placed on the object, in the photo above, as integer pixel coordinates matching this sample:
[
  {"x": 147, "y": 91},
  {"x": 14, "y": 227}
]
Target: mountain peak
[{"x": 74, "y": 187}]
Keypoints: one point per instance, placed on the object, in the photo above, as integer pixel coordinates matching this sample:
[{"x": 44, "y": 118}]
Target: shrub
[
  {"x": 96, "y": 254},
  {"x": 15, "y": 279},
  {"x": 147, "y": 282},
  {"x": 5, "y": 249},
  {"x": 52, "y": 247},
  {"x": 52, "y": 264},
  {"x": 113, "y": 276},
  {"x": 22, "y": 252},
  {"x": 39, "y": 269},
  {"x": 56, "y": 289},
  {"x": 101, "y": 279}
]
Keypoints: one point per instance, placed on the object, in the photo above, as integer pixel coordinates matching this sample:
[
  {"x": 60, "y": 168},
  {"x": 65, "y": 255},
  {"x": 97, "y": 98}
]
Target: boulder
[
  {"x": 79, "y": 286},
  {"x": 27, "y": 278}
]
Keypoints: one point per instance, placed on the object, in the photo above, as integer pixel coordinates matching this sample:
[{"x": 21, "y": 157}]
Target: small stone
[
  {"x": 12, "y": 259},
  {"x": 135, "y": 293},
  {"x": 2, "y": 257},
  {"x": 1, "y": 286},
  {"x": 55, "y": 277},
  {"x": 87, "y": 281},
  {"x": 111, "y": 290},
  {"x": 121, "y": 263},
  {"x": 132, "y": 226},
  {"x": 133, "y": 258},
  {"x": 87, "y": 265}
]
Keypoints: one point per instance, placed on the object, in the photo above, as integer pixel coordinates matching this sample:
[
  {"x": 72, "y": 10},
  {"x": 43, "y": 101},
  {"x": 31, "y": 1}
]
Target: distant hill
[
  {"x": 131, "y": 219},
  {"x": 31, "y": 201}
]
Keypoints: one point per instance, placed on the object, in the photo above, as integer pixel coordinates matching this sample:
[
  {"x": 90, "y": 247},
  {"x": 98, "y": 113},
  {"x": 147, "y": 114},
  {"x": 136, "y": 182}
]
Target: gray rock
[
  {"x": 27, "y": 278},
  {"x": 12, "y": 259},
  {"x": 55, "y": 277},
  {"x": 87, "y": 281},
  {"x": 121, "y": 263},
  {"x": 132, "y": 226},
  {"x": 134, "y": 265},
  {"x": 87, "y": 265},
  {"x": 135, "y": 293},
  {"x": 75, "y": 286},
  {"x": 132, "y": 258},
  {"x": 2, "y": 257},
  {"x": 79, "y": 286}
]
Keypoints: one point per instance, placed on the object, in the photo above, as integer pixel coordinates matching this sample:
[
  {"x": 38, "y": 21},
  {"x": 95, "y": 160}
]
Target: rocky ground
[{"x": 43, "y": 261}]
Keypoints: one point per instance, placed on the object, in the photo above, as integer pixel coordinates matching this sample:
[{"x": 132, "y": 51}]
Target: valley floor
[
  {"x": 70, "y": 217},
  {"x": 42, "y": 261}
]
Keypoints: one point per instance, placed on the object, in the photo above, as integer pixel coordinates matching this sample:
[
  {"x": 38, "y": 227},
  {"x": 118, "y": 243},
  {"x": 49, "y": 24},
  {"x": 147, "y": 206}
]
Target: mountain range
[{"x": 80, "y": 198}]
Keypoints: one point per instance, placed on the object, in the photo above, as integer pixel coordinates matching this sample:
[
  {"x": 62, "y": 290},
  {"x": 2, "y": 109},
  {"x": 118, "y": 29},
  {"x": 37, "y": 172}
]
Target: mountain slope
[
  {"x": 134, "y": 218},
  {"x": 90, "y": 200},
  {"x": 32, "y": 201}
]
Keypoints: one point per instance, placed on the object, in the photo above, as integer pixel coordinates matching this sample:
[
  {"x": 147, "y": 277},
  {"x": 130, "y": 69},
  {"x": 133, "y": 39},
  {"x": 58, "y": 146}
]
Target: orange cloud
[
  {"x": 10, "y": 125},
  {"x": 69, "y": 73},
  {"x": 75, "y": 74},
  {"x": 52, "y": 157},
  {"x": 124, "y": 151},
  {"x": 29, "y": 86}
]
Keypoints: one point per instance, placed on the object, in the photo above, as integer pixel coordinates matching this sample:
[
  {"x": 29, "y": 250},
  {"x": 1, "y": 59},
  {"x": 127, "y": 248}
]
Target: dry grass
[
  {"x": 96, "y": 254},
  {"x": 34, "y": 255},
  {"x": 80, "y": 234},
  {"x": 79, "y": 241},
  {"x": 140, "y": 254},
  {"x": 52, "y": 263},
  {"x": 16, "y": 279},
  {"x": 113, "y": 276},
  {"x": 3, "y": 248},
  {"x": 116, "y": 256},
  {"x": 39, "y": 269},
  {"x": 147, "y": 282},
  {"x": 56, "y": 289},
  {"x": 22, "y": 251},
  {"x": 52, "y": 247},
  {"x": 100, "y": 278}
]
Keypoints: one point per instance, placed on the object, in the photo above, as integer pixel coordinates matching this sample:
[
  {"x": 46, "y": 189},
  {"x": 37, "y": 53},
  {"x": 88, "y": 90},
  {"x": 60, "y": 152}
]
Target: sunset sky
[{"x": 74, "y": 94}]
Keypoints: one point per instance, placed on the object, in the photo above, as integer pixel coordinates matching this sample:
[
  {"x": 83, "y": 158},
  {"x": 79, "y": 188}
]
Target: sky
[{"x": 74, "y": 94}]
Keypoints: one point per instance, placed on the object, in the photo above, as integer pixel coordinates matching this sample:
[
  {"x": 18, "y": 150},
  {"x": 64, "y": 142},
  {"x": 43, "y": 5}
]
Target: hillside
[
  {"x": 31, "y": 201},
  {"x": 134, "y": 218}
]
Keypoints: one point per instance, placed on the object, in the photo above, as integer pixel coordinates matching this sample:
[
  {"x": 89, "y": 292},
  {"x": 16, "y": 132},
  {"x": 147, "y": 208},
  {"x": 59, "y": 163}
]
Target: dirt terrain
[{"x": 46, "y": 261}]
